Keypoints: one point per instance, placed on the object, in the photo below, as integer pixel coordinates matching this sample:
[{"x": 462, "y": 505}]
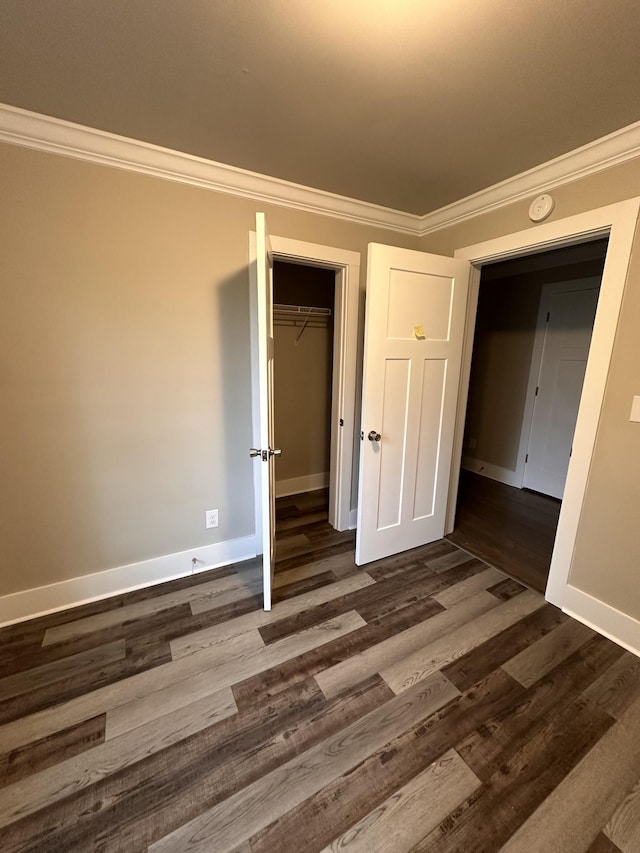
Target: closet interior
[{"x": 303, "y": 320}]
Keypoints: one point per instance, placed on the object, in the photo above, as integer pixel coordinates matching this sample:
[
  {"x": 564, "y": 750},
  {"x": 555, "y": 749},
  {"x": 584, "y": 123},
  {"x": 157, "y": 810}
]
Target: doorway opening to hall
[{"x": 532, "y": 336}]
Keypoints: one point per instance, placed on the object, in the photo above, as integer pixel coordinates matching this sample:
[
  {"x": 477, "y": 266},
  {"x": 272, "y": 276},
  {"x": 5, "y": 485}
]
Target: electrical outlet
[{"x": 211, "y": 518}]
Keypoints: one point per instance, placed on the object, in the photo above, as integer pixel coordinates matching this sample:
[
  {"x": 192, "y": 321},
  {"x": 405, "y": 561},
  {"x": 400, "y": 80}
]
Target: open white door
[
  {"x": 264, "y": 454},
  {"x": 414, "y": 332}
]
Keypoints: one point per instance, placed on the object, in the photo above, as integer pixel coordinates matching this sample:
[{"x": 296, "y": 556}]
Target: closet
[{"x": 303, "y": 318}]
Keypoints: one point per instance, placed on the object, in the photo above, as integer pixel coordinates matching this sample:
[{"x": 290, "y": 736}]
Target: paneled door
[
  {"x": 570, "y": 310},
  {"x": 414, "y": 332}
]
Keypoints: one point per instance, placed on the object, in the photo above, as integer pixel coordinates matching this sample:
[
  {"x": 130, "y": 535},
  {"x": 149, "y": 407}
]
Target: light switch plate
[{"x": 635, "y": 410}]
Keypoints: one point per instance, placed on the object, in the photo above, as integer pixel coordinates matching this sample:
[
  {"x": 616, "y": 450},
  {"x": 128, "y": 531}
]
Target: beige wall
[
  {"x": 124, "y": 369},
  {"x": 505, "y": 331},
  {"x": 607, "y": 556},
  {"x": 124, "y": 363}
]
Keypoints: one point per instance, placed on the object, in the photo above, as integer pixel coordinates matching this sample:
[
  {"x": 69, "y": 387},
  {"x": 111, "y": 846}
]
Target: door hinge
[
  {"x": 526, "y": 459},
  {"x": 548, "y": 316},
  {"x": 361, "y": 435},
  {"x": 537, "y": 389},
  {"x": 341, "y": 421}
]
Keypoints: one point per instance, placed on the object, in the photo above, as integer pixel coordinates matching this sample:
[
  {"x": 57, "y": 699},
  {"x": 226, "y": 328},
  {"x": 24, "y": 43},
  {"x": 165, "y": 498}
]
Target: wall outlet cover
[{"x": 211, "y": 518}]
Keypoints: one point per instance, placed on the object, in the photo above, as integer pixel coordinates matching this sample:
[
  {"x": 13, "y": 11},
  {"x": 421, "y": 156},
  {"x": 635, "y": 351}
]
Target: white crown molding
[
  {"x": 45, "y": 133},
  {"x": 611, "y": 150},
  {"x": 56, "y": 136}
]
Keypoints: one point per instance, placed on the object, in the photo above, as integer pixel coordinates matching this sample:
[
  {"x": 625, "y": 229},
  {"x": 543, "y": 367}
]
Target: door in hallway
[{"x": 570, "y": 314}]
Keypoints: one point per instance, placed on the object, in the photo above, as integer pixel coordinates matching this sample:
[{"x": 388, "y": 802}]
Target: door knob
[
  {"x": 374, "y": 436},
  {"x": 265, "y": 454},
  {"x": 253, "y": 451}
]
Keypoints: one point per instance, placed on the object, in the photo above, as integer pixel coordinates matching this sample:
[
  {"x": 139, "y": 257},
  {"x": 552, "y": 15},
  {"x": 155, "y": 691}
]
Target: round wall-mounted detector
[{"x": 541, "y": 207}]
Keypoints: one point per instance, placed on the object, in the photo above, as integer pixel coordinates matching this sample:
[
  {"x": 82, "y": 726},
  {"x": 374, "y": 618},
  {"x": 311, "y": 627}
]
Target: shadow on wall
[{"x": 232, "y": 467}]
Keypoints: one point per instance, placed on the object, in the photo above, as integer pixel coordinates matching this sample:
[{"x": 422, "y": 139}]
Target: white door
[
  {"x": 264, "y": 454},
  {"x": 414, "y": 329},
  {"x": 570, "y": 314}
]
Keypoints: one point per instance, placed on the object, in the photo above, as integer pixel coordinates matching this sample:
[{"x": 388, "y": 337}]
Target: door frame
[
  {"x": 618, "y": 222},
  {"x": 346, "y": 265}
]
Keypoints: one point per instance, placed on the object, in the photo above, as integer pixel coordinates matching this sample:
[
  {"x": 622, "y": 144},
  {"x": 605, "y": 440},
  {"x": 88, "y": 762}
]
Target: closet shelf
[
  {"x": 301, "y": 315},
  {"x": 301, "y": 311}
]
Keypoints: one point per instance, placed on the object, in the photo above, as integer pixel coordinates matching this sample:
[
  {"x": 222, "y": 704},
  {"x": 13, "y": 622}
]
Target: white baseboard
[
  {"x": 624, "y": 635},
  {"x": 353, "y": 519},
  {"x": 41, "y": 600},
  {"x": 296, "y": 485},
  {"x": 494, "y": 472},
  {"x": 599, "y": 616}
]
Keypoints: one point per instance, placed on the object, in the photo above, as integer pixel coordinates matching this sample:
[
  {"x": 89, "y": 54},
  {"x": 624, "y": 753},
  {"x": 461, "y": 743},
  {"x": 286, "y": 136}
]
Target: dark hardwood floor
[
  {"x": 426, "y": 703},
  {"x": 512, "y": 529}
]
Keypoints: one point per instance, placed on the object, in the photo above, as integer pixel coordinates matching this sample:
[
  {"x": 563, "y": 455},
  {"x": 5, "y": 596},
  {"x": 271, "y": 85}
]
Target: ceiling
[{"x": 410, "y": 104}]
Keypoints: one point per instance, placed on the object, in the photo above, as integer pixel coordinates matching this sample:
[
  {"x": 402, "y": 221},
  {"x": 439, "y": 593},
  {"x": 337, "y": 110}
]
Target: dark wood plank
[
  {"x": 602, "y": 844},
  {"x": 164, "y": 625},
  {"x": 506, "y": 589},
  {"x": 484, "y": 748},
  {"x": 271, "y": 681},
  {"x": 290, "y": 590},
  {"x": 49, "y": 751},
  {"x": 617, "y": 688},
  {"x": 529, "y": 769},
  {"x": 204, "y": 771},
  {"x": 138, "y": 658},
  {"x": 397, "y": 564},
  {"x": 112, "y": 807},
  {"x": 379, "y": 599},
  {"x": 418, "y": 583},
  {"x": 479, "y": 662},
  {"x": 70, "y": 667},
  {"x": 512, "y": 529},
  {"x": 303, "y": 504},
  {"x": 320, "y": 819},
  {"x": 313, "y": 554}
]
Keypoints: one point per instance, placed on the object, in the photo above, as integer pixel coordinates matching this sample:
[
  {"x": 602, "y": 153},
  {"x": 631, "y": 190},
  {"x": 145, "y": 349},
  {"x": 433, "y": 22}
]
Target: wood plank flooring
[
  {"x": 512, "y": 529},
  {"x": 425, "y": 702}
]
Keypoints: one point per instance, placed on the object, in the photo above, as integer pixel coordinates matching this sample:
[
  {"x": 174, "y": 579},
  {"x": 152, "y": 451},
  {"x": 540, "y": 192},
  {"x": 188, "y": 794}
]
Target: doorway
[
  {"x": 532, "y": 334},
  {"x": 345, "y": 268},
  {"x": 303, "y": 331}
]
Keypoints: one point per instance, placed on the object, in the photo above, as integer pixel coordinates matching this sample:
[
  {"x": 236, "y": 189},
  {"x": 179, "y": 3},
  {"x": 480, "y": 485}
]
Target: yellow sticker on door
[{"x": 418, "y": 331}]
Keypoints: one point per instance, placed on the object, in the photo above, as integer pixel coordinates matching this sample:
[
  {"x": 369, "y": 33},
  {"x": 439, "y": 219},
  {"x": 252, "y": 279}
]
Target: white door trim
[
  {"x": 618, "y": 221},
  {"x": 346, "y": 265}
]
